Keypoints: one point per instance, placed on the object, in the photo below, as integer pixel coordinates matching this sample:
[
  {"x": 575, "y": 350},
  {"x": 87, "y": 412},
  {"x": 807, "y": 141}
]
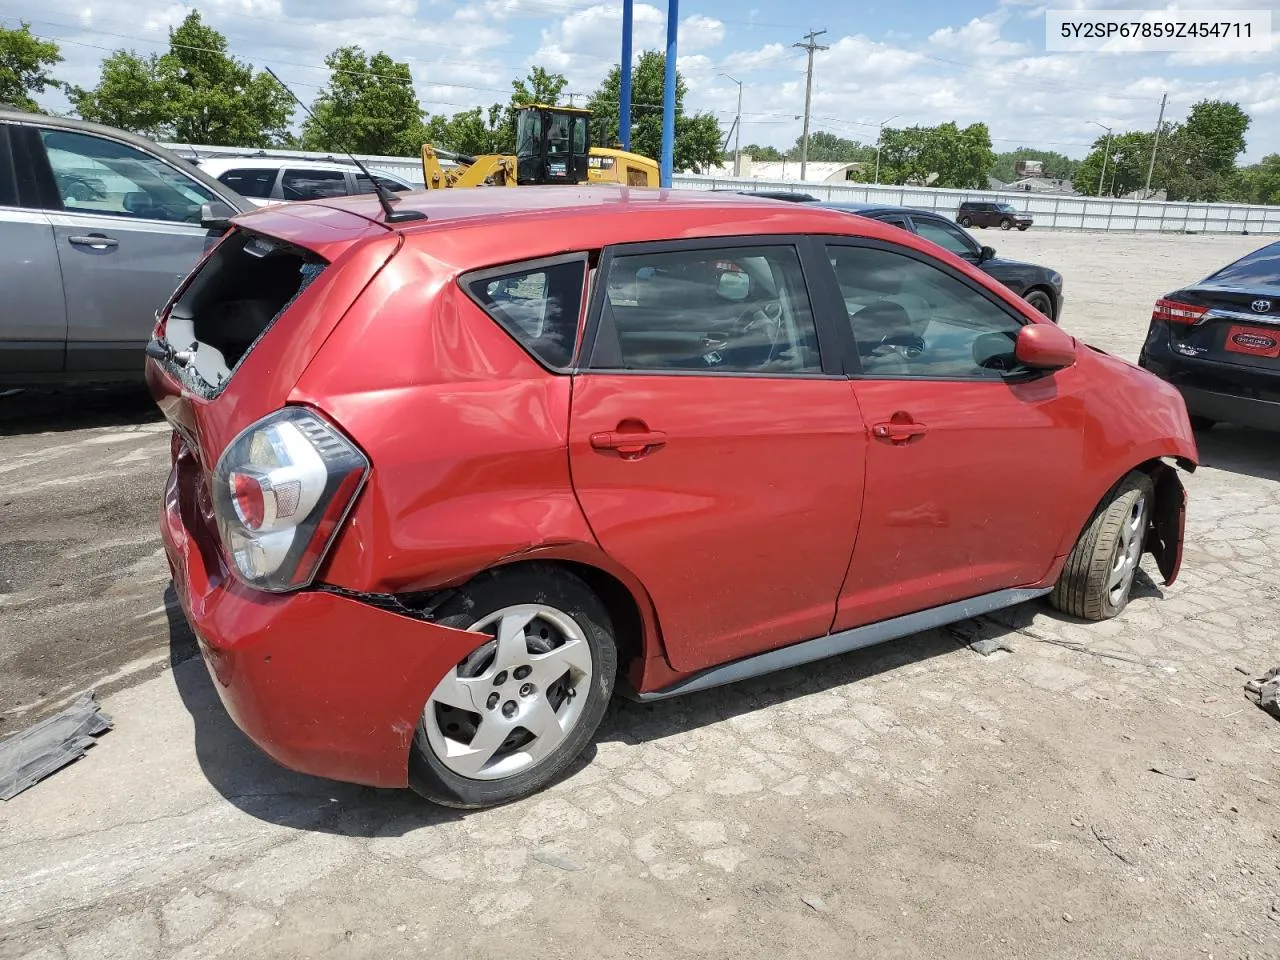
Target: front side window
[
  {"x": 579, "y": 135},
  {"x": 725, "y": 310},
  {"x": 538, "y": 304},
  {"x": 100, "y": 176},
  {"x": 947, "y": 237},
  {"x": 912, "y": 319},
  {"x": 313, "y": 184},
  {"x": 251, "y": 182},
  {"x": 529, "y": 134}
]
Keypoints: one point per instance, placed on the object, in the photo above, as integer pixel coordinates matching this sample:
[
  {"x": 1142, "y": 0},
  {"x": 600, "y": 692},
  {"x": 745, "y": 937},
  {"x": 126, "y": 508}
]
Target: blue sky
[{"x": 921, "y": 61}]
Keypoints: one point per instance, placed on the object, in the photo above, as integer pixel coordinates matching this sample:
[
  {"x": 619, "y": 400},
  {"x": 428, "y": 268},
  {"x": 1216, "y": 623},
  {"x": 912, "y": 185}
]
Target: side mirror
[
  {"x": 987, "y": 253},
  {"x": 216, "y": 215},
  {"x": 1045, "y": 346}
]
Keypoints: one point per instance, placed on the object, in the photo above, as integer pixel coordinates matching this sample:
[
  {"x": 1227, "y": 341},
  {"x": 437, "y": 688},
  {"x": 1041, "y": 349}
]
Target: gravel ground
[{"x": 907, "y": 801}]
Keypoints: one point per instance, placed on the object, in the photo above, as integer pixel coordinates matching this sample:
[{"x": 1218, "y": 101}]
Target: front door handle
[
  {"x": 629, "y": 443},
  {"x": 95, "y": 240},
  {"x": 898, "y": 432}
]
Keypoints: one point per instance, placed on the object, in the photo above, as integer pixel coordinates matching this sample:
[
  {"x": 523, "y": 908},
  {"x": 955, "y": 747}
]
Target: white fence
[{"x": 1050, "y": 211}]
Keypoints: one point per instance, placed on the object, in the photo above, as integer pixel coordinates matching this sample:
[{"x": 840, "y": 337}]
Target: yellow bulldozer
[{"x": 553, "y": 146}]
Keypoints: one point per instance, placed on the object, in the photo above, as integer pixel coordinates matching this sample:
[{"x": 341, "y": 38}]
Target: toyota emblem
[{"x": 1261, "y": 306}]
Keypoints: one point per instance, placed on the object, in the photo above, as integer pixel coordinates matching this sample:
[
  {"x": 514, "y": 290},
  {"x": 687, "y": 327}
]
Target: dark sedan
[
  {"x": 1218, "y": 342},
  {"x": 1039, "y": 286}
]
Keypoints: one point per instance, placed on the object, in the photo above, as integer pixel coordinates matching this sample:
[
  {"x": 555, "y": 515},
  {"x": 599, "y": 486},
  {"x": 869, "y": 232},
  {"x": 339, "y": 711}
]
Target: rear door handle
[
  {"x": 95, "y": 240},
  {"x": 628, "y": 443},
  {"x": 898, "y": 432}
]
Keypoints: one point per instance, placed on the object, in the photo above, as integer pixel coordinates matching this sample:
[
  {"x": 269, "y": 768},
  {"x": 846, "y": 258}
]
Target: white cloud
[{"x": 979, "y": 38}]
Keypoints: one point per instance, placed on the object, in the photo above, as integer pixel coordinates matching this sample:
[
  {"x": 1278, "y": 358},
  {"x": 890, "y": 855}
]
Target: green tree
[
  {"x": 24, "y": 66},
  {"x": 941, "y": 156},
  {"x": 695, "y": 147},
  {"x": 826, "y": 147},
  {"x": 193, "y": 93},
  {"x": 369, "y": 107},
  {"x": 1126, "y": 169},
  {"x": 1260, "y": 183},
  {"x": 766, "y": 154},
  {"x": 493, "y": 130},
  {"x": 1216, "y": 130},
  {"x": 1057, "y": 166}
]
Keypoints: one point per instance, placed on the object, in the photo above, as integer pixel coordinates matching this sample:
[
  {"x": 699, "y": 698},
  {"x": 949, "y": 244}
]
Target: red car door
[
  {"x": 713, "y": 454},
  {"x": 971, "y": 460}
]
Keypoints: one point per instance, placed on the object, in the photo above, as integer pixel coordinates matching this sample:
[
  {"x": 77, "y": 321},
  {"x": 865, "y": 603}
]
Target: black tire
[
  {"x": 966, "y": 222},
  {"x": 1006, "y": 224},
  {"x": 1042, "y": 302},
  {"x": 1023, "y": 227},
  {"x": 1081, "y": 590},
  {"x": 492, "y": 591},
  {"x": 1202, "y": 424}
]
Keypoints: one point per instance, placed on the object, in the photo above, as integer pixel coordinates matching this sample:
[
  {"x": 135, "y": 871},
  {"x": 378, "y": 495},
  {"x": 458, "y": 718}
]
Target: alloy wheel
[
  {"x": 515, "y": 699},
  {"x": 1128, "y": 553}
]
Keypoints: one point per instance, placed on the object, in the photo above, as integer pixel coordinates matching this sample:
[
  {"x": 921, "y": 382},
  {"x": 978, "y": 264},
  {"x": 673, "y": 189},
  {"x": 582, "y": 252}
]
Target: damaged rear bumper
[{"x": 324, "y": 684}]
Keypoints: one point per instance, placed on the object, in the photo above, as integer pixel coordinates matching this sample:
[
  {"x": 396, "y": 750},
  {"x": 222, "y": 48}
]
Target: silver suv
[
  {"x": 265, "y": 180},
  {"x": 97, "y": 229}
]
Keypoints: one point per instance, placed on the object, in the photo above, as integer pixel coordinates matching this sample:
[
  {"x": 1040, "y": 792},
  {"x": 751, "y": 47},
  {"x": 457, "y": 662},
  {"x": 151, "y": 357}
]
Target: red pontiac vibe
[{"x": 441, "y": 482}]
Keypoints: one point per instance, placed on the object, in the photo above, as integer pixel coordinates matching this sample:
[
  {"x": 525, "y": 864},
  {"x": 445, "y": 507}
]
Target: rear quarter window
[
  {"x": 251, "y": 183},
  {"x": 537, "y": 303}
]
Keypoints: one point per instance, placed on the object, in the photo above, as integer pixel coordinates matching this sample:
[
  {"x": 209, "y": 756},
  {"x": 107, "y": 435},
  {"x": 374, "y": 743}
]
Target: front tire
[
  {"x": 1042, "y": 302},
  {"x": 1202, "y": 424},
  {"x": 1099, "y": 573},
  {"x": 510, "y": 719},
  {"x": 1006, "y": 224}
]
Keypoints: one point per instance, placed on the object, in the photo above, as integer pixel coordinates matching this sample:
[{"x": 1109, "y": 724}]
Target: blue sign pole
[
  {"x": 624, "y": 107},
  {"x": 669, "y": 96}
]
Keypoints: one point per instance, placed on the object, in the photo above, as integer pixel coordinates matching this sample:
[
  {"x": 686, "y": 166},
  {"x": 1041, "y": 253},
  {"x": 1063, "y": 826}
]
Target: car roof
[
  {"x": 872, "y": 209},
  {"x": 223, "y": 164},
  {"x": 26, "y": 117}
]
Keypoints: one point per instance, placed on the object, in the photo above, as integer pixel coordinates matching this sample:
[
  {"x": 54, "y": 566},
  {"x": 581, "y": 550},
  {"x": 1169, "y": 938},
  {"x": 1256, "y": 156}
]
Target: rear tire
[
  {"x": 1202, "y": 424},
  {"x": 966, "y": 222},
  {"x": 1096, "y": 582},
  {"x": 541, "y": 605}
]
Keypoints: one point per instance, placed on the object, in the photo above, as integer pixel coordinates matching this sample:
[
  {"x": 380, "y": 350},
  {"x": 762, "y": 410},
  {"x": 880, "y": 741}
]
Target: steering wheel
[
  {"x": 764, "y": 317},
  {"x": 908, "y": 345}
]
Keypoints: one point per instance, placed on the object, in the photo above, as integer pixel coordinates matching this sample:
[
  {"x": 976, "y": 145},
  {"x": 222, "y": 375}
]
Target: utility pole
[
  {"x": 812, "y": 48},
  {"x": 878, "y": 138},
  {"x": 1106, "y": 152},
  {"x": 737, "y": 130},
  {"x": 666, "y": 166},
  {"x": 1151, "y": 168},
  {"x": 624, "y": 94}
]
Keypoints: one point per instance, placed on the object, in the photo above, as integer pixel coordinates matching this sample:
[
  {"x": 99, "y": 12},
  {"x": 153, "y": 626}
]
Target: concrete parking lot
[{"x": 912, "y": 800}]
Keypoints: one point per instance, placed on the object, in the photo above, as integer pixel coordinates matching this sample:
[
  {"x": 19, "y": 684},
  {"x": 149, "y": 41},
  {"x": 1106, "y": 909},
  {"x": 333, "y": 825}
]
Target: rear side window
[
  {"x": 313, "y": 184},
  {"x": 539, "y": 304},
  {"x": 1260, "y": 268},
  {"x": 251, "y": 183},
  {"x": 364, "y": 186},
  {"x": 724, "y": 310}
]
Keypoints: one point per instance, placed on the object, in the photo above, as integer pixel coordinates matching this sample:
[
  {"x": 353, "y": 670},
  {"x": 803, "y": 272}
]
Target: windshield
[
  {"x": 1006, "y": 208},
  {"x": 529, "y": 134}
]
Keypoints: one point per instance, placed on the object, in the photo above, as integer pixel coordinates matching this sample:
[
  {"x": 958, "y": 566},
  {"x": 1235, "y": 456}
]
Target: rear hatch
[{"x": 240, "y": 331}]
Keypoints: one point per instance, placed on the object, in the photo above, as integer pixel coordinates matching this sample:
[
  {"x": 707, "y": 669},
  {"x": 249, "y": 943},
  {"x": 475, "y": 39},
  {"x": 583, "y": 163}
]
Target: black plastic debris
[
  {"x": 46, "y": 747},
  {"x": 1265, "y": 691}
]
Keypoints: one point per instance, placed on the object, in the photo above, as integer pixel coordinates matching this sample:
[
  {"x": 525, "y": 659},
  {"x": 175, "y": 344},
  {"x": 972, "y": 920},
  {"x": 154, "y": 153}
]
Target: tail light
[
  {"x": 1174, "y": 311},
  {"x": 281, "y": 490}
]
